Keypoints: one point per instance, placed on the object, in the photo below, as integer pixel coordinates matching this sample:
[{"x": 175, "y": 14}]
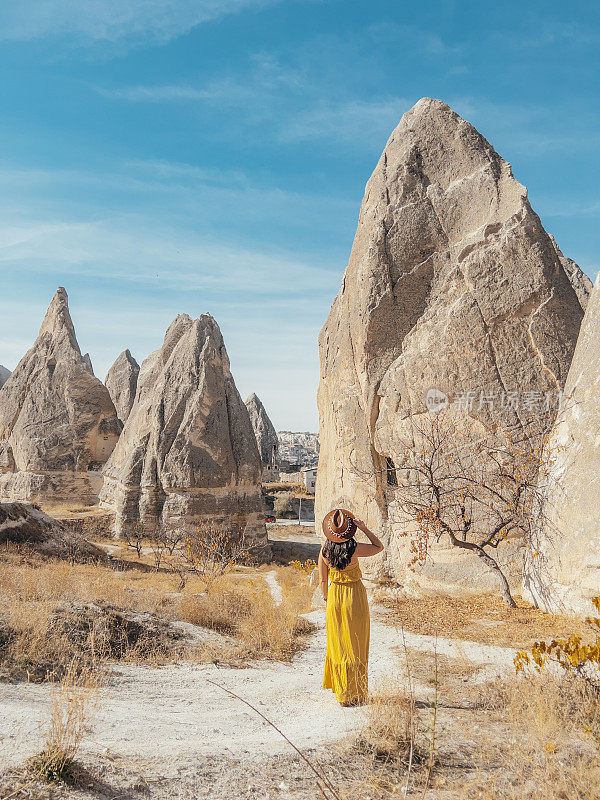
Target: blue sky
[{"x": 162, "y": 156}]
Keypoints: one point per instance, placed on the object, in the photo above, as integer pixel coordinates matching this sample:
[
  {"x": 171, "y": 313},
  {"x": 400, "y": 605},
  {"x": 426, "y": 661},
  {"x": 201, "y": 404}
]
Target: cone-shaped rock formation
[
  {"x": 452, "y": 284},
  {"x": 266, "y": 435},
  {"x": 4, "y": 375},
  {"x": 58, "y": 425},
  {"x": 121, "y": 382},
  {"x": 188, "y": 451}
]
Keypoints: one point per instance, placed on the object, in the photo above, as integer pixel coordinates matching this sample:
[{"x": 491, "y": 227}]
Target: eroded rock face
[
  {"x": 4, "y": 375},
  {"x": 452, "y": 284},
  {"x": 121, "y": 382},
  {"x": 579, "y": 280},
  {"x": 188, "y": 452},
  {"x": 266, "y": 436},
  {"x": 562, "y": 569},
  {"x": 58, "y": 425}
]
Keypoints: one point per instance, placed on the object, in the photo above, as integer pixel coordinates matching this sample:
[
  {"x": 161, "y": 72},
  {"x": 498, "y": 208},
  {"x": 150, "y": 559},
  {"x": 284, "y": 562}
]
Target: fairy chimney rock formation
[
  {"x": 452, "y": 285},
  {"x": 562, "y": 569},
  {"x": 187, "y": 453},
  {"x": 121, "y": 382},
  {"x": 266, "y": 435},
  {"x": 4, "y": 375},
  {"x": 58, "y": 425},
  {"x": 88, "y": 362}
]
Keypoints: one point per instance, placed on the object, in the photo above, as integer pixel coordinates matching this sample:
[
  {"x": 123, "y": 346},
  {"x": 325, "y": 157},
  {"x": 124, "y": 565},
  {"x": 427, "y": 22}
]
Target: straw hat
[{"x": 339, "y": 525}]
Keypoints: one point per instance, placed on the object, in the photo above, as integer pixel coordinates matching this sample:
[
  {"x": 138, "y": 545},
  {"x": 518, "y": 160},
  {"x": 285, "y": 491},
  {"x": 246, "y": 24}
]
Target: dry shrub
[
  {"x": 210, "y": 552},
  {"x": 390, "y": 730},
  {"x": 574, "y": 654},
  {"x": 283, "y": 503},
  {"x": 217, "y": 611},
  {"x": 72, "y": 701}
]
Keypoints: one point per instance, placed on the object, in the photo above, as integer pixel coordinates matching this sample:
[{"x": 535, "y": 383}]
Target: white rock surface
[{"x": 562, "y": 570}]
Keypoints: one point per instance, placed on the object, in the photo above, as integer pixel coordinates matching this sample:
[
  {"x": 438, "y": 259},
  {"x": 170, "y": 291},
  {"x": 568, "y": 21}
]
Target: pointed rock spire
[
  {"x": 121, "y": 382},
  {"x": 57, "y": 422},
  {"x": 453, "y": 286},
  {"x": 4, "y": 375},
  {"x": 88, "y": 362},
  {"x": 57, "y": 322},
  {"x": 188, "y": 451},
  {"x": 266, "y": 436}
]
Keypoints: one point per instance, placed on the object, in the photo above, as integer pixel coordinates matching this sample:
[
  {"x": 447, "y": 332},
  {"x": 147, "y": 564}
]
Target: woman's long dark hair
[{"x": 339, "y": 555}]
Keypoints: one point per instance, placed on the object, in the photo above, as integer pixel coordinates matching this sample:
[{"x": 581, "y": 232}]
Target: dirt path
[{"x": 161, "y": 717}]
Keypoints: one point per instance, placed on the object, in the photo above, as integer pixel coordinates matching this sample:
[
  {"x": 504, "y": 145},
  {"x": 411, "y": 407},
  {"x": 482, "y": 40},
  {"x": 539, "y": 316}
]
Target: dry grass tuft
[
  {"x": 390, "y": 730},
  {"x": 72, "y": 702},
  {"x": 546, "y": 745}
]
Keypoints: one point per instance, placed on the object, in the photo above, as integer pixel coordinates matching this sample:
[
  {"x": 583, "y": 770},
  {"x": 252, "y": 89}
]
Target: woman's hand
[{"x": 367, "y": 549}]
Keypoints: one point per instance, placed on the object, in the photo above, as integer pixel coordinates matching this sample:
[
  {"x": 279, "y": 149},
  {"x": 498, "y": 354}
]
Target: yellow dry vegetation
[
  {"x": 238, "y": 604},
  {"x": 479, "y": 618}
]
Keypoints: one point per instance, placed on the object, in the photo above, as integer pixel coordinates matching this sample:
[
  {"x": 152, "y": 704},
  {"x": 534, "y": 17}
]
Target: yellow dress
[{"x": 348, "y": 631}]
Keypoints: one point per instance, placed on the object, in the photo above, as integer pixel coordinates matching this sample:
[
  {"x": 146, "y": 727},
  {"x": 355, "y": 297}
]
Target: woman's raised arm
[
  {"x": 365, "y": 550},
  {"x": 323, "y": 574}
]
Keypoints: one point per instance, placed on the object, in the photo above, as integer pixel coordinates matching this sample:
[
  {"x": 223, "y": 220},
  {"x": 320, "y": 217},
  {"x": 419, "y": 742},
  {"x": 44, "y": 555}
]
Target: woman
[{"x": 348, "y": 627}]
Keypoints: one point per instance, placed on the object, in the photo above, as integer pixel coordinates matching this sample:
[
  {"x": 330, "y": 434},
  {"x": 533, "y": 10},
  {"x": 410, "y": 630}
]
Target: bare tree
[
  {"x": 477, "y": 490},
  {"x": 165, "y": 540},
  {"x": 134, "y": 538},
  {"x": 209, "y": 552}
]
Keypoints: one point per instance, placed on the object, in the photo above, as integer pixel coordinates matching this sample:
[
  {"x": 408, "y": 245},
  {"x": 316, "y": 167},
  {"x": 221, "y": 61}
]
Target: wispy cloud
[
  {"x": 114, "y": 20},
  {"x": 362, "y": 122},
  {"x": 546, "y": 33},
  {"x": 128, "y": 249},
  {"x": 531, "y": 128}
]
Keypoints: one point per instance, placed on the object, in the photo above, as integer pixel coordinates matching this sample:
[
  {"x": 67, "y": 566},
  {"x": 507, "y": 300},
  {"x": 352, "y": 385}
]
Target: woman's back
[{"x": 349, "y": 574}]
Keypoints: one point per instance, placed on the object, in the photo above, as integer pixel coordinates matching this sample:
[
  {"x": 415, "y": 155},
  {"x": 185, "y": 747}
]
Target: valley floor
[{"x": 169, "y": 733}]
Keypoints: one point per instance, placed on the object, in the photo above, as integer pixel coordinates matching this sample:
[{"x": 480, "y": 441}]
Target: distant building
[
  {"x": 304, "y": 476},
  {"x": 270, "y": 473},
  {"x": 310, "y": 479}
]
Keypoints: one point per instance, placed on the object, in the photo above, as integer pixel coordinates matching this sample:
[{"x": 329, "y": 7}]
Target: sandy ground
[{"x": 161, "y": 718}]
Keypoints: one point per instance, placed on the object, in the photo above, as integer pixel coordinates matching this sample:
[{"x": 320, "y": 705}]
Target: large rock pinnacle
[
  {"x": 266, "y": 435},
  {"x": 452, "y": 284},
  {"x": 58, "y": 424},
  {"x": 187, "y": 453}
]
